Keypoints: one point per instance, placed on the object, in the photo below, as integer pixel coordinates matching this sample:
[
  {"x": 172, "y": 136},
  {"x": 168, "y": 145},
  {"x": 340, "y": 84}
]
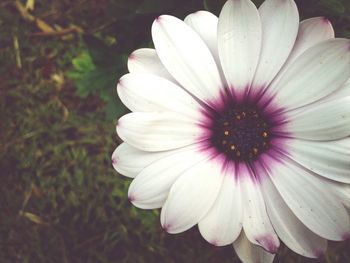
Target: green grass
[{"x": 60, "y": 199}]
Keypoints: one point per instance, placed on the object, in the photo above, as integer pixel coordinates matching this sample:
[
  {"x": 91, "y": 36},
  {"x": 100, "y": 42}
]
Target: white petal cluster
[{"x": 298, "y": 192}]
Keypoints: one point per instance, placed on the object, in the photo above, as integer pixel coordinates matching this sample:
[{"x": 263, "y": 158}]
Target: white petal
[
  {"x": 318, "y": 72},
  {"x": 327, "y": 121},
  {"x": 250, "y": 253},
  {"x": 310, "y": 199},
  {"x": 151, "y": 187},
  {"x": 192, "y": 196},
  {"x": 158, "y": 131},
  {"x": 330, "y": 159},
  {"x": 288, "y": 227},
  {"x": 146, "y": 61},
  {"x": 256, "y": 223},
  {"x": 343, "y": 193},
  {"x": 145, "y": 92},
  {"x": 280, "y": 22},
  {"x": 344, "y": 91},
  {"x": 223, "y": 223},
  {"x": 186, "y": 57},
  {"x": 311, "y": 32},
  {"x": 205, "y": 24},
  {"x": 130, "y": 161},
  {"x": 239, "y": 42}
]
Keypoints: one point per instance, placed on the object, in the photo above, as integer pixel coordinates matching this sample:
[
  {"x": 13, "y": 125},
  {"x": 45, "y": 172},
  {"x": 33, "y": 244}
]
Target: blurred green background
[{"x": 60, "y": 199}]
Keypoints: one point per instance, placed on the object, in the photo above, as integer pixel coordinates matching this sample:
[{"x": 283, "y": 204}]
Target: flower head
[{"x": 240, "y": 124}]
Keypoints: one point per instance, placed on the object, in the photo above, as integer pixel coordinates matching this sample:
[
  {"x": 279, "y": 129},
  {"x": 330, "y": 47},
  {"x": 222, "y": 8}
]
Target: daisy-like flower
[{"x": 240, "y": 124}]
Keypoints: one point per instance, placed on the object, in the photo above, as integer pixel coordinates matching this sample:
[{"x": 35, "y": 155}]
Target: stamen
[{"x": 242, "y": 133}]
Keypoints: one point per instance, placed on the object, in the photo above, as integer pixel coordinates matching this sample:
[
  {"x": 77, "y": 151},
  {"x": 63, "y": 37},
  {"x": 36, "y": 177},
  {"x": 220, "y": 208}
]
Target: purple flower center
[{"x": 241, "y": 132}]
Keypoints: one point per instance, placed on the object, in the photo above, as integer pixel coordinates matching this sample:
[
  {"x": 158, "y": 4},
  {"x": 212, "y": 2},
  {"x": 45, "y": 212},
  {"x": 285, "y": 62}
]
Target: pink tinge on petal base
[
  {"x": 268, "y": 242},
  {"x": 346, "y": 236}
]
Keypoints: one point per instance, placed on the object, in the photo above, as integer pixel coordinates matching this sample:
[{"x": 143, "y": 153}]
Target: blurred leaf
[
  {"x": 101, "y": 78},
  {"x": 83, "y": 62},
  {"x": 335, "y": 6},
  {"x": 34, "y": 218},
  {"x": 154, "y": 6},
  {"x": 30, "y": 5}
]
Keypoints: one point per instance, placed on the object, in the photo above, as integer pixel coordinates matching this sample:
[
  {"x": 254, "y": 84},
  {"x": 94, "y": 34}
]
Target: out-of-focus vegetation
[{"x": 60, "y": 199}]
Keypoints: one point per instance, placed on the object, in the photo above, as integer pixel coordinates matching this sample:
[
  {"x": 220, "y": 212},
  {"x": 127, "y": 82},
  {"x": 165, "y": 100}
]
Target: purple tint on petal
[
  {"x": 319, "y": 253},
  {"x": 325, "y": 20},
  {"x": 214, "y": 242},
  {"x": 239, "y": 96},
  {"x": 268, "y": 242},
  {"x": 158, "y": 19},
  {"x": 166, "y": 227},
  {"x": 132, "y": 56},
  {"x": 243, "y": 169},
  {"x": 256, "y": 93},
  {"x": 131, "y": 198},
  {"x": 231, "y": 169},
  {"x": 279, "y": 148},
  {"x": 219, "y": 103},
  {"x": 346, "y": 236}
]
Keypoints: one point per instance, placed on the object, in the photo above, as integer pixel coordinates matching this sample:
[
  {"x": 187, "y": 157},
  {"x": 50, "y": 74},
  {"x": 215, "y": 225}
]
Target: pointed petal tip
[
  {"x": 167, "y": 227},
  {"x": 156, "y": 22},
  {"x": 325, "y": 20},
  {"x": 319, "y": 253},
  {"x": 160, "y": 18},
  {"x": 269, "y": 243},
  {"x": 117, "y": 126},
  {"x": 131, "y": 198},
  {"x": 132, "y": 56},
  {"x": 120, "y": 83},
  {"x": 214, "y": 242}
]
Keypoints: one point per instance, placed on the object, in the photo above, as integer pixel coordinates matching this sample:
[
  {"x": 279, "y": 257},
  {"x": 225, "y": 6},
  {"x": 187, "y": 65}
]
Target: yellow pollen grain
[
  {"x": 238, "y": 117},
  {"x": 265, "y": 134},
  {"x": 226, "y": 133},
  {"x": 232, "y": 147},
  {"x": 255, "y": 150}
]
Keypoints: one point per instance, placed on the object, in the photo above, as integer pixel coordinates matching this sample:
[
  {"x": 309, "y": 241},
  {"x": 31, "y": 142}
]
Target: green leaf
[
  {"x": 101, "y": 54},
  {"x": 114, "y": 108},
  {"x": 83, "y": 62}
]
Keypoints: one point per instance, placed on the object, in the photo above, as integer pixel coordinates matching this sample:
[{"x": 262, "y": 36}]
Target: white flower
[{"x": 240, "y": 124}]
